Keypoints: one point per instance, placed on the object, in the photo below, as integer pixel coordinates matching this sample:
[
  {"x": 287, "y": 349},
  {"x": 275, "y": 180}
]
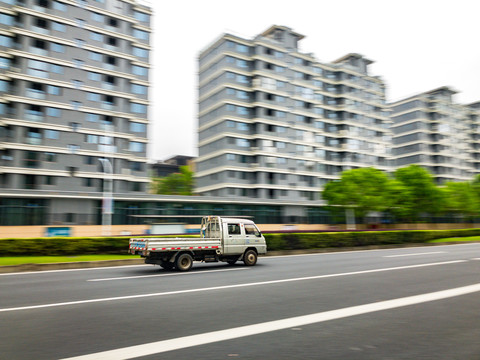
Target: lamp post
[
  {"x": 107, "y": 196},
  {"x": 107, "y": 200}
]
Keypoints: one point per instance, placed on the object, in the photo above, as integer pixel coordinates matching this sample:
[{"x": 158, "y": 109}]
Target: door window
[{"x": 234, "y": 229}]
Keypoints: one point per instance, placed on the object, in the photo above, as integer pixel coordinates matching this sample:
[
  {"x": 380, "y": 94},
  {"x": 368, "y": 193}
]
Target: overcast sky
[{"x": 416, "y": 45}]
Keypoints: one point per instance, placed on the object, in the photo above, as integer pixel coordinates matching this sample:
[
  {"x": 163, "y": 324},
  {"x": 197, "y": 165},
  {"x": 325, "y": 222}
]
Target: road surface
[{"x": 407, "y": 303}]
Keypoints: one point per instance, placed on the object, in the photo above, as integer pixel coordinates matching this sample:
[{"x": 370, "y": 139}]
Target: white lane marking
[
  {"x": 157, "y": 347},
  {"x": 476, "y": 259},
  {"x": 261, "y": 283},
  {"x": 416, "y": 254},
  {"x": 169, "y": 274},
  {"x": 39, "y": 272}
]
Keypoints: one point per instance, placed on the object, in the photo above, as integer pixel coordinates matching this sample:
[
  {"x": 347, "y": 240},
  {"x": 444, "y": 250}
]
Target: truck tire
[
  {"x": 184, "y": 262},
  {"x": 250, "y": 257}
]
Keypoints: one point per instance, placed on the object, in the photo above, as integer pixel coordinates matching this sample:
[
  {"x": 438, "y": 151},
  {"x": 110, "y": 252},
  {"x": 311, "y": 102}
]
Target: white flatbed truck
[{"x": 221, "y": 239}]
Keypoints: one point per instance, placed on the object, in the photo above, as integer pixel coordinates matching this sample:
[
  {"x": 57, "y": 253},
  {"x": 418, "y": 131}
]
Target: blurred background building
[
  {"x": 171, "y": 165},
  {"x": 73, "y": 101},
  {"x": 432, "y": 130},
  {"x": 276, "y": 123}
]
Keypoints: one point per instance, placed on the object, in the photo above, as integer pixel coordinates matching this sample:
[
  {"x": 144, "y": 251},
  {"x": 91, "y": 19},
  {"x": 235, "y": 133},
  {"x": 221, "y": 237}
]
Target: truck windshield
[{"x": 252, "y": 230}]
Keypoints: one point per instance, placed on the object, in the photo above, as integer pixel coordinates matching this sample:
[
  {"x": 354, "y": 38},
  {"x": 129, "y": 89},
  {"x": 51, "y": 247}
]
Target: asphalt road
[{"x": 409, "y": 303}]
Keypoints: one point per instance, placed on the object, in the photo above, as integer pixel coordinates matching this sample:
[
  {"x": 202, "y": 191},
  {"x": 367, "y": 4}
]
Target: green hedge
[
  {"x": 285, "y": 241},
  {"x": 296, "y": 241}
]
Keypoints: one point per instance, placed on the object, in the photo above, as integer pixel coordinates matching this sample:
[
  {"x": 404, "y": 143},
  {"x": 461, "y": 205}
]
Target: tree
[
  {"x": 420, "y": 194},
  {"x": 175, "y": 184},
  {"x": 362, "y": 189},
  {"x": 462, "y": 198}
]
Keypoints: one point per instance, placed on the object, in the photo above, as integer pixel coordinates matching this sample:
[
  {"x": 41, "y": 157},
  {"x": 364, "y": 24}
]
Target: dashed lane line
[
  {"x": 416, "y": 254},
  {"x": 164, "y": 275}
]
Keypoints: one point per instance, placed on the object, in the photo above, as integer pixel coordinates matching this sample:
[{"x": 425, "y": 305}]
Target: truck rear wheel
[
  {"x": 250, "y": 257},
  {"x": 184, "y": 262}
]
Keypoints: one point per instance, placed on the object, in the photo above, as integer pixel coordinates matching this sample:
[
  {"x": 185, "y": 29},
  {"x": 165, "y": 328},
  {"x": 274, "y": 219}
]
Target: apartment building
[
  {"x": 74, "y": 79},
  {"x": 276, "y": 123},
  {"x": 432, "y": 130}
]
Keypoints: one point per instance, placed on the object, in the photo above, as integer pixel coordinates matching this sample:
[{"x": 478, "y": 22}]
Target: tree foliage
[
  {"x": 408, "y": 194},
  {"x": 420, "y": 195},
  {"x": 462, "y": 198},
  {"x": 175, "y": 184},
  {"x": 363, "y": 189}
]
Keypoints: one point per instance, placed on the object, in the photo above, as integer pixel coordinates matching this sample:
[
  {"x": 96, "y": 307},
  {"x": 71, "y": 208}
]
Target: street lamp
[{"x": 107, "y": 199}]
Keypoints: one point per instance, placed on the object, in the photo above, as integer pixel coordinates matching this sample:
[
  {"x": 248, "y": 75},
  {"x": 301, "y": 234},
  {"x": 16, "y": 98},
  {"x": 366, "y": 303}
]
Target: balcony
[
  {"x": 107, "y": 105},
  {"x": 35, "y": 94},
  {"x": 33, "y": 140},
  {"x": 34, "y": 116},
  {"x": 38, "y": 51}
]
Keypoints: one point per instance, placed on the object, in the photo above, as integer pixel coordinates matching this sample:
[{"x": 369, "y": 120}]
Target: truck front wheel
[
  {"x": 184, "y": 262},
  {"x": 250, "y": 257}
]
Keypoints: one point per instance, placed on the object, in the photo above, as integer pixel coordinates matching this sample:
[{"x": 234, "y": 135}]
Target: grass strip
[
  {"x": 19, "y": 260},
  {"x": 455, "y": 239}
]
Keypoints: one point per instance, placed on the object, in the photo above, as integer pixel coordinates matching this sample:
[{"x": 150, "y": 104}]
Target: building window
[
  {"x": 111, "y": 41},
  {"x": 52, "y": 134},
  {"x": 92, "y": 117},
  {"x": 50, "y": 180},
  {"x": 111, "y": 60},
  {"x": 57, "y": 47},
  {"x": 112, "y": 22},
  {"x": 138, "y": 127},
  {"x": 140, "y": 16},
  {"x": 73, "y": 148},
  {"x": 93, "y": 96},
  {"x": 59, "y": 6},
  {"x": 139, "y": 70},
  {"x": 96, "y": 36},
  {"x": 54, "y": 90},
  {"x": 54, "y": 112},
  {"x": 139, "y": 52},
  {"x": 91, "y": 139},
  {"x": 139, "y": 89},
  {"x": 95, "y": 56},
  {"x": 97, "y": 17},
  {"x": 31, "y": 159},
  {"x": 88, "y": 182},
  {"x": 89, "y": 160},
  {"x": 57, "y": 69},
  {"x": 94, "y": 76},
  {"x": 58, "y": 26},
  {"x": 140, "y": 34},
  {"x": 137, "y": 146},
  {"x": 51, "y": 157},
  {"x": 138, "y": 108}
]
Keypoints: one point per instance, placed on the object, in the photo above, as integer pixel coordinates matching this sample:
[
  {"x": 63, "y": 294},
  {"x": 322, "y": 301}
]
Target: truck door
[{"x": 234, "y": 238}]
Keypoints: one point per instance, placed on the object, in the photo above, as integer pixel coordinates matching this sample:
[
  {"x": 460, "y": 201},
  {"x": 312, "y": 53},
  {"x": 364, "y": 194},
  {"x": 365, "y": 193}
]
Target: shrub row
[
  {"x": 285, "y": 241},
  {"x": 296, "y": 241}
]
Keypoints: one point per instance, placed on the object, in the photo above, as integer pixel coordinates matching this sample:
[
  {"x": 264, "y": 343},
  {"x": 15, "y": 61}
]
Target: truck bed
[{"x": 139, "y": 246}]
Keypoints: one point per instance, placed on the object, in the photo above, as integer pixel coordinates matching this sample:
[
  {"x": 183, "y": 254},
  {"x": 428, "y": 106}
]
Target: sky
[{"x": 416, "y": 46}]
